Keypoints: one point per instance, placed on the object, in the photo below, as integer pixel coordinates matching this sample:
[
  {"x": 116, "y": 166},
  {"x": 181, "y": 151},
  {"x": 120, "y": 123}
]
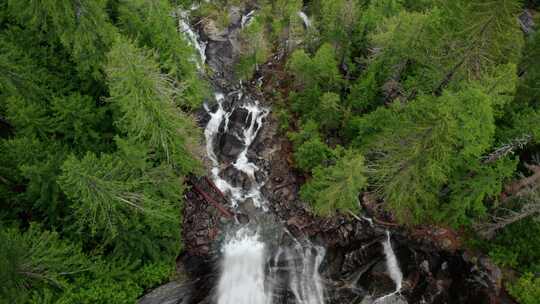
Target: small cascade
[
  {"x": 242, "y": 278},
  {"x": 193, "y": 38},
  {"x": 392, "y": 263},
  {"x": 305, "y": 280},
  {"x": 394, "y": 272},
  {"x": 254, "y": 122},
  {"x": 246, "y": 18},
  {"x": 305, "y": 19}
]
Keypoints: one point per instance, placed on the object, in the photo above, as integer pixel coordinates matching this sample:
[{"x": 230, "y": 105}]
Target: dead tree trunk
[{"x": 488, "y": 230}]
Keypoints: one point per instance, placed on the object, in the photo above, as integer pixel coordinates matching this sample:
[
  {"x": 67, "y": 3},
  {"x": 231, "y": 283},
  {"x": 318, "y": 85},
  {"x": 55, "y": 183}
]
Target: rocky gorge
[{"x": 251, "y": 184}]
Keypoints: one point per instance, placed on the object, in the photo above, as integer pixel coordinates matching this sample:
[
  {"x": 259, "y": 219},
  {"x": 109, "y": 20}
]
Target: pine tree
[
  {"x": 146, "y": 111},
  {"x": 336, "y": 187},
  {"x": 434, "y": 136},
  {"x": 81, "y": 27},
  {"x": 134, "y": 211},
  {"x": 35, "y": 259},
  {"x": 338, "y": 22},
  {"x": 152, "y": 24}
]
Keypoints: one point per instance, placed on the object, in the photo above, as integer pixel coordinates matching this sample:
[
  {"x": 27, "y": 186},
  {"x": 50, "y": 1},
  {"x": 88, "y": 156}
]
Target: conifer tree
[
  {"x": 117, "y": 202},
  {"x": 81, "y": 27},
  {"x": 152, "y": 25},
  {"x": 336, "y": 187},
  {"x": 34, "y": 259},
  {"x": 146, "y": 111},
  {"x": 433, "y": 138},
  {"x": 339, "y": 20}
]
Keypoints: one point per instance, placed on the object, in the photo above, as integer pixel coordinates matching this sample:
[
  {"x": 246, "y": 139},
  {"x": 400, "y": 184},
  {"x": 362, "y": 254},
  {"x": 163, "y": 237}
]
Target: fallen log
[
  {"x": 211, "y": 183},
  {"x": 210, "y": 200}
]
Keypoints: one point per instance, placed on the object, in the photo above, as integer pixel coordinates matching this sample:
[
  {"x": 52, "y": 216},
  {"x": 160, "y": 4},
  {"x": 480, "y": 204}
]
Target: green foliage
[
  {"x": 117, "y": 202},
  {"x": 311, "y": 154},
  {"x": 147, "y": 112},
  {"x": 468, "y": 193},
  {"x": 115, "y": 282},
  {"x": 99, "y": 160},
  {"x": 329, "y": 114},
  {"x": 527, "y": 289},
  {"x": 313, "y": 77},
  {"x": 281, "y": 16},
  {"x": 338, "y": 21},
  {"x": 418, "y": 157},
  {"x": 320, "y": 71},
  {"x": 518, "y": 246},
  {"x": 364, "y": 92},
  {"x": 153, "y": 25},
  {"x": 255, "y": 49},
  {"x": 441, "y": 47},
  {"x": 36, "y": 259},
  {"x": 79, "y": 121},
  {"x": 336, "y": 187},
  {"x": 81, "y": 27},
  {"x": 520, "y": 116},
  {"x": 529, "y": 87},
  {"x": 35, "y": 164},
  {"x": 310, "y": 151}
]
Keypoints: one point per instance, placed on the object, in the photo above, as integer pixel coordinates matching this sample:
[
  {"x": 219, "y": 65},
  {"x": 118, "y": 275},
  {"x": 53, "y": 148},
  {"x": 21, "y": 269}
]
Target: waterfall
[
  {"x": 305, "y": 280},
  {"x": 247, "y": 275},
  {"x": 392, "y": 263},
  {"x": 246, "y": 19},
  {"x": 305, "y": 19},
  {"x": 193, "y": 38},
  {"x": 243, "y": 274},
  {"x": 394, "y": 272}
]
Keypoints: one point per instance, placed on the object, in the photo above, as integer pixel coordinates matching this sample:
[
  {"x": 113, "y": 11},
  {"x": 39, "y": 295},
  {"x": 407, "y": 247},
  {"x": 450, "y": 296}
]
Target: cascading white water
[
  {"x": 243, "y": 274},
  {"x": 392, "y": 264},
  {"x": 305, "y": 280},
  {"x": 305, "y": 19},
  {"x": 244, "y": 278},
  {"x": 255, "y": 117},
  {"x": 193, "y": 38},
  {"x": 246, "y": 18}
]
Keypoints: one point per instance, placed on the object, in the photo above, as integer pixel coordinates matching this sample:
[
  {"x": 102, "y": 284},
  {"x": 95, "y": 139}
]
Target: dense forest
[{"x": 430, "y": 108}]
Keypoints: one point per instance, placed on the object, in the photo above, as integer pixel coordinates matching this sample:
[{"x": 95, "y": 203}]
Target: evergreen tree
[
  {"x": 338, "y": 22},
  {"x": 35, "y": 259},
  {"x": 152, "y": 24},
  {"x": 81, "y": 27},
  {"x": 433, "y": 138},
  {"x": 144, "y": 100},
  {"x": 336, "y": 187},
  {"x": 118, "y": 204}
]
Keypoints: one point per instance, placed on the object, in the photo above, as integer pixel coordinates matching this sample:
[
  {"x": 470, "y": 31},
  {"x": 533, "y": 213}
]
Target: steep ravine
[{"x": 249, "y": 239}]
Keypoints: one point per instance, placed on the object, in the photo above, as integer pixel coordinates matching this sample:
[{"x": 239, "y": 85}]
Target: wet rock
[
  {"x": 239, "y": 118},
  {"x": 390, "y": 299},
  {"x": 236, "y": 177},
  {"x": 170, "y": 293},
  {"x": 378, "y": 281},
  {"x": 230, "y": 146}
]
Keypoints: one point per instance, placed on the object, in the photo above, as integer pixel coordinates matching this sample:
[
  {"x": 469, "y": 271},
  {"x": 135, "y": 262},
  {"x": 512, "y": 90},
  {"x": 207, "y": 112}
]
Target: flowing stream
[{"x": 252, "y": 273}]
